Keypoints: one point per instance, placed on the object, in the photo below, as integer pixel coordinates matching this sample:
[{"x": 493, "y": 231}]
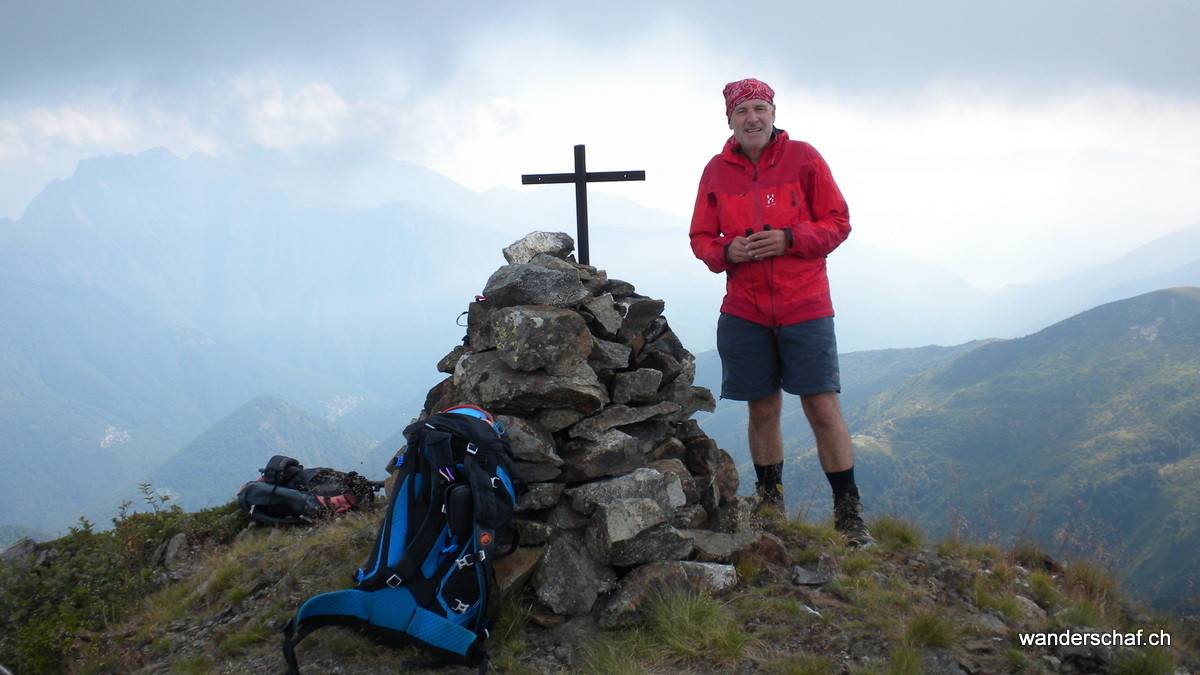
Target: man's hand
[
  {"x": 739, "y": 250},
  {"x": 763, "y": 245}
]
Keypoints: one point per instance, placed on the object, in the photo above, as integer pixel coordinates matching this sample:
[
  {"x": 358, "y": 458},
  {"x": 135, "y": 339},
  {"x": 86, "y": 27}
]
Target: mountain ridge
[{"x": 1087, "y": 431}]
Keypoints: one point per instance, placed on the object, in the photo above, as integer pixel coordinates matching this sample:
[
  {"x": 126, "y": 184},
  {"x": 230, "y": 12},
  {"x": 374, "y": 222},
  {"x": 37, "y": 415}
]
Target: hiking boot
[
  {"x": 770, "y": 496},
  {"x": 847, "y": 519}
]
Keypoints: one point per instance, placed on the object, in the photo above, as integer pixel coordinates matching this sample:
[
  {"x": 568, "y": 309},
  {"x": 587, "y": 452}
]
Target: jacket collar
[{"x": 733, "y": 150}]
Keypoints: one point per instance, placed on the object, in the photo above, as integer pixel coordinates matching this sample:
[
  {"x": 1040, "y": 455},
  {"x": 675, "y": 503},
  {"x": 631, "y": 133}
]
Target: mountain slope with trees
[
  {"x": 92, "y": 387},
  {"x": 211, "y": 468},
  {"x": 1085, "y": 434}
]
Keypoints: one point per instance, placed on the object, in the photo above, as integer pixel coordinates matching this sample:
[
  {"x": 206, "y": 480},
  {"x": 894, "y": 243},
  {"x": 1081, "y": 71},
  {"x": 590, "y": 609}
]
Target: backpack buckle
[
  {"x": 460, "y": 606},
  {"x": 468, "y": 560},
  {"x": 394, "y": 580},
  {"x": 495, "y": 482},
  {"x": 472, "y": 448}
]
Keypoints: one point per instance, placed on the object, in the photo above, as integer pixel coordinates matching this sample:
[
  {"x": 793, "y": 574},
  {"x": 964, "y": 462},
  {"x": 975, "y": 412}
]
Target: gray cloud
[{"x": 51, "y": 45}]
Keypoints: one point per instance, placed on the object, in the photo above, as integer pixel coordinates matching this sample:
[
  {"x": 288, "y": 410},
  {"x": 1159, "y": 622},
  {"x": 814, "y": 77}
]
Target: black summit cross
[{"x": 581, "y": 178}]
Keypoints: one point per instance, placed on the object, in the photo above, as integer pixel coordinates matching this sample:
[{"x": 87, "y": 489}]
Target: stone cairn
[{"x": 627, "y": 495}]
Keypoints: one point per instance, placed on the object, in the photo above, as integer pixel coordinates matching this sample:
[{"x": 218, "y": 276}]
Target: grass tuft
[
  {"x": 896, "y": 533},
  {"x": 931, "y": 629},
  {"x": 683, "y": 630},
  {"x": 1090, "y": 581},
  {"x": 748, "y": 568},
  {"x": 821, "y": 534},
  {"x": 1018, "y": 661},
  {"x": 1044, "y": 590},
  {"x": 1146, "y": 661},
  {"x": 508, "y": 640},
  {"x": 905, "y": 660},
  {"x": 801, "y": 663},
  {"x": 1082, "y": 613}
]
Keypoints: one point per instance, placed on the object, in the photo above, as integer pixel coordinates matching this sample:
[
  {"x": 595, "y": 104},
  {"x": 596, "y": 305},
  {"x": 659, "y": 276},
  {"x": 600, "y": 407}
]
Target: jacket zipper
[{"x": 758, "y": 227}]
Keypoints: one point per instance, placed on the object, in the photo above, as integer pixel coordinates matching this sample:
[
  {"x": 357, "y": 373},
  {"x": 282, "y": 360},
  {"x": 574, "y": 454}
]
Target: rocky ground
[{"x": 901, "y": 606}]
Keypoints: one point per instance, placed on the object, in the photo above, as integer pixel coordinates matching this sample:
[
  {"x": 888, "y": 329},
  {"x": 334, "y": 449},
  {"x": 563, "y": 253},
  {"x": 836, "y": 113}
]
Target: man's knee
[
  {"x": 823, "y": 410},
  {"x": 766, "y": 410}
]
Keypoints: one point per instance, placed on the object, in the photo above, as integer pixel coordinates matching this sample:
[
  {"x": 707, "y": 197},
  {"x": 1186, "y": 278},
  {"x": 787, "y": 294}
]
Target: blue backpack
[{"x": 429, "y": 580}]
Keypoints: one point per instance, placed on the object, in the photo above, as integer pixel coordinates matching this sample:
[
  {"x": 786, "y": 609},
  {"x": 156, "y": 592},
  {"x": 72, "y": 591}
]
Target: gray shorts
[{"x": 757, "y": 360}]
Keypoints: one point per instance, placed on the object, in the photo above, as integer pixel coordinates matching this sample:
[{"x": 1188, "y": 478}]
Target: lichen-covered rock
[
  {"x": 661, "y": 542},
  {"x": 605, "y": 319},
  {"x": 720, "y": 547},
  {"x": 726, "y": 476},
  {"x": 569, "y": 580},
  {"x": 533, "y": 285},
  {"x": 637, "y": 386},
  {"x": 668, "y": 448},
  {"x": 608, "y": 355},
  {"x": 628, "y": 604},
  {"x": 538, "y": 472},
  {"x": 565, "y": 518},
  {"x": 619, "y": 521},
  {"x": 449, "y": 361},
  {"x": 664, "y": 488},
  {"x": 638, "y": 313},
  {"x": 484, "y": 379},
  {"x": 530, "y": 442},
  {"x": 556, "y": 244},
  {"x": 667, "y": 354},
  {"x": 546, "y": 338},
  {"x": 554, "y": 263},
  {"x": 689, "y": 398},
  {"x": 671, "y": 465},
  {"x": 649, "y": 434},
  {"x": 702, "y": 490},
  {"x": 734, "y": 515},
  {"x": 592, "y": 428},
  {"x": 479, "y": 326},
  {"x": 531, "y": 532},
  {"x": 701, "y": 455},
  {"x": 611, "y": 454},
  {"x": 557, "y": 419},
  {"x": 540, "y": 496}
]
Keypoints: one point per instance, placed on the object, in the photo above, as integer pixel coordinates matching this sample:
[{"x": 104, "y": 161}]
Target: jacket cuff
[
  {"x": 725, "y": 253},
  {"x": 787, "y": 232}
]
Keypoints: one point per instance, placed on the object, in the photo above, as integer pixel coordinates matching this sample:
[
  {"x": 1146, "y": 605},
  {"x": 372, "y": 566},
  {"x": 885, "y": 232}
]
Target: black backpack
[
  {"x": 289, "y": 494},
  {"x": 429, "y": 580}
]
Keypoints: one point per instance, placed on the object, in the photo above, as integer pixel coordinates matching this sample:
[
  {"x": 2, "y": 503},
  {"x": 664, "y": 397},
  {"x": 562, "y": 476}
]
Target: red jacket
[{"x": 791, "y": 188}]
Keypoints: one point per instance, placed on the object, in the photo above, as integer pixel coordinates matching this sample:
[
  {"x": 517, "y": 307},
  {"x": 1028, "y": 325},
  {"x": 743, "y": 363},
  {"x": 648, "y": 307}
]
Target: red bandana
[{"x": 745, "y": 90}]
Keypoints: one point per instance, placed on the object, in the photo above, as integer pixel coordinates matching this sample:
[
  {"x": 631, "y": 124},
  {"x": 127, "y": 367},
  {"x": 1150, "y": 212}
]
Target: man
[{"x": 767, "y": 214}]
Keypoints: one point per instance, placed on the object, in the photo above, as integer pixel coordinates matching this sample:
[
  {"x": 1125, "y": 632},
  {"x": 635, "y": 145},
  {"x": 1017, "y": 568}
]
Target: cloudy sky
[{"x": 1007, "y": 140}]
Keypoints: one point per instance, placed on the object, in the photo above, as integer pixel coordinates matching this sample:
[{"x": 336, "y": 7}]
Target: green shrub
[{"x": 92, "y": 579}]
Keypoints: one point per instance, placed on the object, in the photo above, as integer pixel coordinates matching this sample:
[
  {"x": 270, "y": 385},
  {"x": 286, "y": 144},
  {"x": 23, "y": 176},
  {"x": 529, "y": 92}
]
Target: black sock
[
  {"x": 842, "y": 482},
  {"x": 771, "y": 474}
]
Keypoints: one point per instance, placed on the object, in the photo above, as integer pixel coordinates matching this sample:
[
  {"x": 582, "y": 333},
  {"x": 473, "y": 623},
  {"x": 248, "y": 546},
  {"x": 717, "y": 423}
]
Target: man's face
[{"x": 752, "y": 123}]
